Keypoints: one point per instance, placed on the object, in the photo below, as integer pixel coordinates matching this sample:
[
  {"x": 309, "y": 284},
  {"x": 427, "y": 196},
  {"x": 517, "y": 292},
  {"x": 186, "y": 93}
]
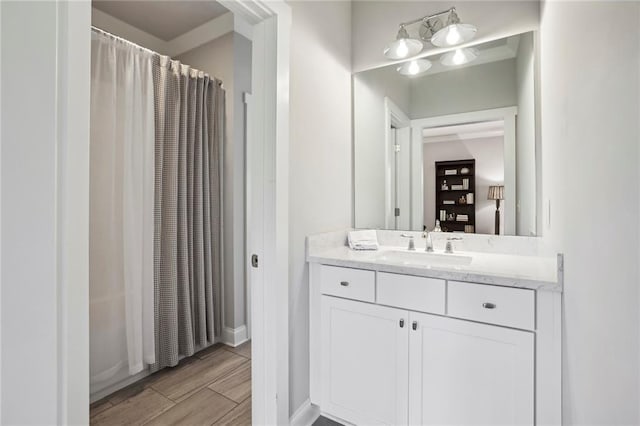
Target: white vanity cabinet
[
  {"x": 429, "y": 353},
  {"x": 465, "y": 373},
  {"x": 364, "y": 362}
]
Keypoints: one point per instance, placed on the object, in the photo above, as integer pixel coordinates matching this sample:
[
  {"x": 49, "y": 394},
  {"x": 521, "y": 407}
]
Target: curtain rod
[
  {"x": 153, "y": 52},
  {"x": 124, "y": 40}
]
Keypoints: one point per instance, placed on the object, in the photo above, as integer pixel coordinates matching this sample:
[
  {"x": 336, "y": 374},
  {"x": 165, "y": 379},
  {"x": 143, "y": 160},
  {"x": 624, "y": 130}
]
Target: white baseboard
[
  {"x": 305, "y": 415},
  {"x": 129, "y": 380},
  {"x": 234, "y": 336}
]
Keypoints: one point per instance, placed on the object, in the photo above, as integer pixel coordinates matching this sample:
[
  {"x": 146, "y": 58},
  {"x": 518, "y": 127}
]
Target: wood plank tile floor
[{"x": 212, "y": 387}]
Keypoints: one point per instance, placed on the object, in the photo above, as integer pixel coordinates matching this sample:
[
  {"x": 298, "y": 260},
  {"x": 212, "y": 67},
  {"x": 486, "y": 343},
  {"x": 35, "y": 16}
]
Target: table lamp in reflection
[{"x": 497, "y": 193}]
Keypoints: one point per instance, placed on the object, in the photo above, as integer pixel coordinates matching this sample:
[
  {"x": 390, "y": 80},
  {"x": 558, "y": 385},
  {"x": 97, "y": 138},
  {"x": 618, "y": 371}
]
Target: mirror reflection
[{"x": 449, "y": 140}]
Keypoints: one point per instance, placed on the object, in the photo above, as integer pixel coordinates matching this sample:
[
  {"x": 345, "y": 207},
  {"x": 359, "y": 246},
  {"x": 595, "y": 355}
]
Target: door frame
[
  {"x": 508, "y": 115},
  {"x": 271, "y": 21},
  {"x": 247, "y": 217},
  {"x": 394, "y": 116},
  {"x": 268, "y": 137}
]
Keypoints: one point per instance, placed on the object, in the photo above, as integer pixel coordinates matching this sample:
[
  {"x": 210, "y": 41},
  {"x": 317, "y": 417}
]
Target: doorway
[
  {"x": 166, "y": 197},
  {"x": 459, "y": 201},
  {"x": 397, "y": 167},
  {"x": 505, "y": 117},
  {"x": 270, "y": 22}
]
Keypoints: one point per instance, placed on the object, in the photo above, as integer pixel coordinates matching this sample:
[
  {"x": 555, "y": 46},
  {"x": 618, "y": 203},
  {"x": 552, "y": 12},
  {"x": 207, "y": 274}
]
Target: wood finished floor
[{"x": 213, "y": 387}]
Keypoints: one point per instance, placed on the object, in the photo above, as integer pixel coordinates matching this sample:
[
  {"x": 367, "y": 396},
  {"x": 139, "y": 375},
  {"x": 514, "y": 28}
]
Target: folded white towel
[{"x": 363, "y": 240}]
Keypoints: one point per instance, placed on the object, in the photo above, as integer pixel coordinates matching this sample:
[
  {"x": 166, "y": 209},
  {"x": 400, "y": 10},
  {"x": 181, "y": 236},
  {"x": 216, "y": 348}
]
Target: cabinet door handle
[
  {"x": 414, "y": 325},
  {"x": 402, "y": 323},
  {"x": 488, "y": 305},
  {"x": 344, "y": 283}
]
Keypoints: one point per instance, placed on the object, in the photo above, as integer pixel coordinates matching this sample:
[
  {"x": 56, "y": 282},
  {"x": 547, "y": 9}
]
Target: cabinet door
[
  {"x": 465, "y": 373},
  {"x": 365, "y": 362}
]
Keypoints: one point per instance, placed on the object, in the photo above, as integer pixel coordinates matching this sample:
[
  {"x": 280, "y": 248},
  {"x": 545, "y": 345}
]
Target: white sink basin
[{"x": 423, "y": 258}]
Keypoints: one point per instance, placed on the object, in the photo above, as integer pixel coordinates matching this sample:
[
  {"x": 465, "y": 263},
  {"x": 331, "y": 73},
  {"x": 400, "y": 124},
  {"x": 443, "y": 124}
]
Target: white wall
[
  {"x": 526, "y": 138},
  {"x": 375, "y": 23},
  {"x": 475, "y": 88},
  {"x": 489, "y": 156},
  {"x": 44, "y": 371},
  {"x": 369, "y": 90},
  {"x": 242, "y": 84},
  {"x": 28, "y": 218},
  {"x": 590, "y": 137},
  {"x": 229, "y": 59},
  {"x": 320, "y": 156}
]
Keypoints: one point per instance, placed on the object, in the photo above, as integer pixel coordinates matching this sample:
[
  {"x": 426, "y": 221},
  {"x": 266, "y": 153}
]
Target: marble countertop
[{"x": 524, "y": 271}]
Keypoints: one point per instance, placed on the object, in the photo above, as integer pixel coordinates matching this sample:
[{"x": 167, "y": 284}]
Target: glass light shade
[
  {"x": 453, "y": 35},
  {"x": 459, "y": 56},
  {"x": 414, "y": 67},
  {"x": 403, "y": 46}
]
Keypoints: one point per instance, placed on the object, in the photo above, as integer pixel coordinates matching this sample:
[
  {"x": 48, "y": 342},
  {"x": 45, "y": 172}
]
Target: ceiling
[
  {"x": 477, "y": 130},
  {"x": 165, "y": 19}
]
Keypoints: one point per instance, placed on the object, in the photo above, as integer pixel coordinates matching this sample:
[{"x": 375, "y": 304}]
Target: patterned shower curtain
[{"x": 189, "y": 131}]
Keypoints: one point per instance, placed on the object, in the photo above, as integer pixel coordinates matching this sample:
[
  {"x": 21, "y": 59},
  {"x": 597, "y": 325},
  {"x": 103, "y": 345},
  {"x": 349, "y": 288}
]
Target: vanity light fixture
[
  {"x": 459, "y": 56},
  {"x": 414, "y": 67},
  {"x": 431, "y": 30}
]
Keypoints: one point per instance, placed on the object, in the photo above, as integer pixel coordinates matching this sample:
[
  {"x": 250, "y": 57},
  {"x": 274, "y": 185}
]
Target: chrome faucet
[
  {"x": 412, "y": 244},
  {"x": 429, "y": 243},
  {"x": 449, "y": 247}
]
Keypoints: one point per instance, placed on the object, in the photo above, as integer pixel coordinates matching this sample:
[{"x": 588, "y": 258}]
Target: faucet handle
[
  {"x": 412, "y": 244},
  {"x": 449, "y": 246}
]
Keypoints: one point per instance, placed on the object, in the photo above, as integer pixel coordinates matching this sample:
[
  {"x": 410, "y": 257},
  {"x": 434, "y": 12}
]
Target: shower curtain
[
  {"x": 155, "y": 253},
  {"x": 189, "y": 131},
  {"x": 121, "y": 210}
]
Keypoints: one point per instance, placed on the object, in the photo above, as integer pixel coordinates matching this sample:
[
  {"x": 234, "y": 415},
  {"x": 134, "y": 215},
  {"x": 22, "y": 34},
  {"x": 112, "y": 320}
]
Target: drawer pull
[
  {"x": 414, "y": 325},
  {"x": 344, "y": 283},
  {"x": 487, "y": 305},
  {"x": 402, "y": 323}
]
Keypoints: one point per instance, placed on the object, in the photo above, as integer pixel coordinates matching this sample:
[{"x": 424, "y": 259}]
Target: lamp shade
[
  {"x": 403, "y": 46},
  {"x": 496, "y": 193},
  {"x": 414, "y": 67},
  {"x": 454, "y": 32},
  {"x": 459, "y": 57}
]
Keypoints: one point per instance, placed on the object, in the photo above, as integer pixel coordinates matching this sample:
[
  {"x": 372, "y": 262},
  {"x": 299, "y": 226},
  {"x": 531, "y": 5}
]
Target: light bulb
[
  {"x": 402, "y": 50},
  {"x": 403, "y": 46},
  {"x": 453, "y": 35},
  {"x": 414, "y": 68},
  {"x": 458, "y": 58}
]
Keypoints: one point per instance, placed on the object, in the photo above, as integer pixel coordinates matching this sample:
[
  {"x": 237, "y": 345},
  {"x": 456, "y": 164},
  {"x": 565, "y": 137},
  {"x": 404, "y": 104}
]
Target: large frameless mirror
[{"x": 449, "y": 138}]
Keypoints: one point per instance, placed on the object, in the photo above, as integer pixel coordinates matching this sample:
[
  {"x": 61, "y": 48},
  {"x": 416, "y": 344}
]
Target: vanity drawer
[
  {"x": 409, "y": 292},
  {"x": 358, "y": 284},
  {"x": 512, "y": 307}
]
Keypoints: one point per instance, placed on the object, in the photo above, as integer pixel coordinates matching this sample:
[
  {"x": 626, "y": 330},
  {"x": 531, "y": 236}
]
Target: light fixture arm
[
  {"x": 433, "y": 30},
  {"x": 428, "y": 17}
]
